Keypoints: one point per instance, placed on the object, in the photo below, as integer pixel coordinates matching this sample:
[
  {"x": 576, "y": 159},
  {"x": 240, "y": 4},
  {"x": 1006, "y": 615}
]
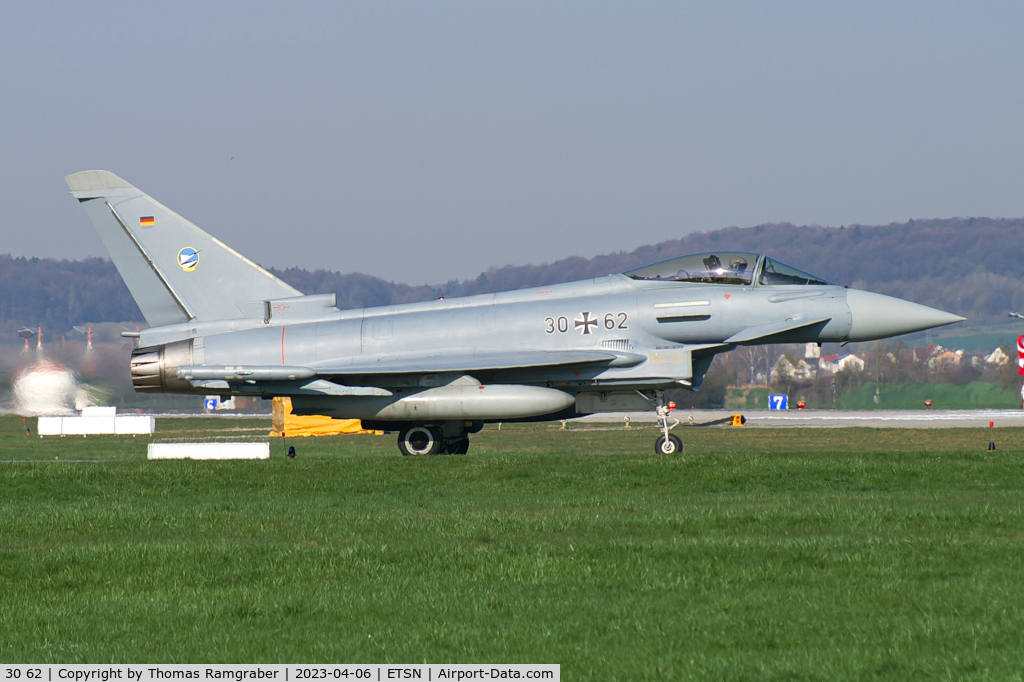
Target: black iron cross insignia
[{"x": 585, "y": 321}]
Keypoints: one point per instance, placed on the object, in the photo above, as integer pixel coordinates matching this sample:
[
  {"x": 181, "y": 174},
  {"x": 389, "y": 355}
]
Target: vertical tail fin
[{"x": 174, "y": 270}]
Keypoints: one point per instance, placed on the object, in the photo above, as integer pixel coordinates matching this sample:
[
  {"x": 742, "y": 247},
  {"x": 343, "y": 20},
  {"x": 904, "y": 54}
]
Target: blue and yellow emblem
[{"x": 188, "y": 259}]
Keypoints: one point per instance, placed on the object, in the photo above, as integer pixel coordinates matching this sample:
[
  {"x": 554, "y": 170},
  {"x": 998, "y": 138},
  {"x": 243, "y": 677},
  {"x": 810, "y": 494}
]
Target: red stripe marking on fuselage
[{"x": 282, "y": 344}]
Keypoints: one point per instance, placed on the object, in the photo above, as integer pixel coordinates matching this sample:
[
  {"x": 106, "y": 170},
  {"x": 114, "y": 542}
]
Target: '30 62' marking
[{"x": 585, "y": 323}]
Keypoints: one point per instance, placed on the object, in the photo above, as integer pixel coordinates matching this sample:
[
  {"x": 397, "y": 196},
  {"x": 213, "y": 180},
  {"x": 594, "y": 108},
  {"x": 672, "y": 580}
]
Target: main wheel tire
[
  {"x": 670, "y": 446},
  {"x": 458, "y": 447},
  {"x": 418, "y": 441}
]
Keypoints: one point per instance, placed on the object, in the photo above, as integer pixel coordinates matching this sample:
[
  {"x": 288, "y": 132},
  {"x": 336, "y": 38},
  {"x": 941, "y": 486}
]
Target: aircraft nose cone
[{"x": 876, "y": 316}]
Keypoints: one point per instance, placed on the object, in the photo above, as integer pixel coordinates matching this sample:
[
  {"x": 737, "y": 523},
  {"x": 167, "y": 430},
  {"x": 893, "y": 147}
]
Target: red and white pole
[{"x": 1020, "y": 366}]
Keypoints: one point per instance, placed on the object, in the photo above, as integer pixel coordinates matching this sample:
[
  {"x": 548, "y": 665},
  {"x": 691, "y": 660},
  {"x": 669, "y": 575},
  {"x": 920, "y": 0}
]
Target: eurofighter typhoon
[{"x": 437, "y": 371}]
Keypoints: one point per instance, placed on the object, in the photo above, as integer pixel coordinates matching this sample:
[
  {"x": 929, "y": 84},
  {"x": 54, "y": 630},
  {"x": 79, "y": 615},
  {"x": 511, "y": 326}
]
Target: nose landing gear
[{"x": 667, "y": 443}]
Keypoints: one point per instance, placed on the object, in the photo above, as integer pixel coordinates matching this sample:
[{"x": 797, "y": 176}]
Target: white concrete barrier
[
  {"x": 134, "y": 425},
  {"x": 209, "y": 451},
  {"x": 96, "y": 425},
  {"x": 87, "y": 426},
  {"x": 50, "y": 426}
]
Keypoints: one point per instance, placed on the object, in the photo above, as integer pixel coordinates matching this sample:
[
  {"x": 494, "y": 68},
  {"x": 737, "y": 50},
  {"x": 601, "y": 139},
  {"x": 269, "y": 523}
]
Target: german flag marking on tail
[{"x": 146, "y": 221}]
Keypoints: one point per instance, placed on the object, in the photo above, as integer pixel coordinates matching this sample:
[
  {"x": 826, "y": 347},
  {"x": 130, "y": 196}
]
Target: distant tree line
[
  {"x": 59, "y": 294},
  {"x": 970, "y": 266}
]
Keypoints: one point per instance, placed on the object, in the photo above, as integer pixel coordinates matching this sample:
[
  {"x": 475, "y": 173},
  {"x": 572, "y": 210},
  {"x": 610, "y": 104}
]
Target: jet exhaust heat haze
[
  {"x": 48, "y": 388},
  {"x": 437, "y": 371}
]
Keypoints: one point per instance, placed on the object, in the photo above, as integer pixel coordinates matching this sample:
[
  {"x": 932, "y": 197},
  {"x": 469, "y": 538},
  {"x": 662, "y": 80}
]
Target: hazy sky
[{"x": 424, "y": 141}]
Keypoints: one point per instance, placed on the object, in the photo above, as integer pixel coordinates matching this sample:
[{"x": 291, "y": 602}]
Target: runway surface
[{"x": 892, "y": 419}]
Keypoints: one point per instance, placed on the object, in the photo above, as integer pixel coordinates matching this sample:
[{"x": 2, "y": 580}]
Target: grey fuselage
[
  {"x": 662, "y": 322},
  {"x": 625, "y": 316}
]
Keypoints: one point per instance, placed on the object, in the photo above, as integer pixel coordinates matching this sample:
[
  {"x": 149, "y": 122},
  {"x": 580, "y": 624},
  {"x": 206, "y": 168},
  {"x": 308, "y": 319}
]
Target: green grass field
[{"x": 759, "y": 554}]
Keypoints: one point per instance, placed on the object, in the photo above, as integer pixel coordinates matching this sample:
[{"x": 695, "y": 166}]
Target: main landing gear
[{"x": 445, "y": 438}]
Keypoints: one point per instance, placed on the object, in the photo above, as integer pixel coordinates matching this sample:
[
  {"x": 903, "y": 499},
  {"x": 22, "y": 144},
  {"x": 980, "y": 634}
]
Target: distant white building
[
  {"x": 832, "y": 364},
  {"x": 946, "y": 358},
  {"x": 851, "y": 362},
  {"x": 805, "y": 370},
  {"x": 801, "y": 371},
  {"x": 783, "y": 369},
  {"x": 812, "y": 351},
  {"x": 997, "y": 358}
]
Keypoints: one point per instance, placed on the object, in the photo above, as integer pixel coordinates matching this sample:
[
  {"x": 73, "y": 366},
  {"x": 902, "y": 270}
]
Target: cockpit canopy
[{"x": 725, "y": 267}]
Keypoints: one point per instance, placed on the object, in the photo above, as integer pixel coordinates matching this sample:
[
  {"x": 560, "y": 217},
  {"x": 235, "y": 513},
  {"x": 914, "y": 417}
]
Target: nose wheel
[{"x": 671, "y": 445}]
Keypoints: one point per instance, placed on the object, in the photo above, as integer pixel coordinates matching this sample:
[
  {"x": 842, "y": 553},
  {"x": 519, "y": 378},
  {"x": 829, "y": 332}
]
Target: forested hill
[{"x": 970, "y": 266}]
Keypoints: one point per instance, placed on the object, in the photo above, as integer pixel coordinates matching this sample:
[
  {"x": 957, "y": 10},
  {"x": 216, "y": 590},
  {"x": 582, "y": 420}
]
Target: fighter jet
[{"x": 437, "y": 371}]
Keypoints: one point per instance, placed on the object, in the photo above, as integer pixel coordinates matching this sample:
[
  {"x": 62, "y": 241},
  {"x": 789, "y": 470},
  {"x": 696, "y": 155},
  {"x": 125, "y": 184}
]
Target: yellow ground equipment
[{"x": 288, "y": 424}]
